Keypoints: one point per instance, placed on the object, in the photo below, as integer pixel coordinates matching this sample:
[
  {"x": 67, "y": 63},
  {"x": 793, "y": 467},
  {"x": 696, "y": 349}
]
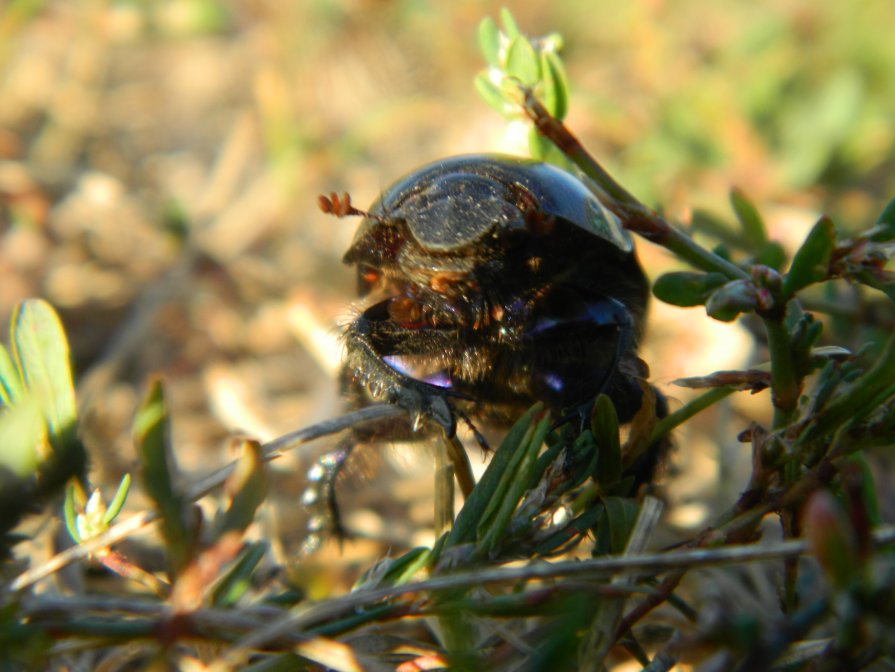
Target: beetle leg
[
  {"x": 421, "y": 400},
  {"x": 319, "y": 498}
]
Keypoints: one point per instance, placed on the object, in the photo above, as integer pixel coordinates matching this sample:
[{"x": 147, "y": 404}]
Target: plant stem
[
  {"x": 634, "y": 215},
  {"x": 785, "y": 382}
]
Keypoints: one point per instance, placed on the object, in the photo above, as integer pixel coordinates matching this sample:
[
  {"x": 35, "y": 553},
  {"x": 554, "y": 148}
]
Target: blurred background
[{"x": 160, "y": 162}]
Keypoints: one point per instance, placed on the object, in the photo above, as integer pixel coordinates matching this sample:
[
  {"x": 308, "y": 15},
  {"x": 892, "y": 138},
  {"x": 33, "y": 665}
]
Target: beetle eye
[{"x": 370, "y": 276}]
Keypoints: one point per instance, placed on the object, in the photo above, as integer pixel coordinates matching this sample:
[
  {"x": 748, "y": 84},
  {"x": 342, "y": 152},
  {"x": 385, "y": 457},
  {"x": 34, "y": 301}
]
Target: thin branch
[{"x": 611, "y": 565}]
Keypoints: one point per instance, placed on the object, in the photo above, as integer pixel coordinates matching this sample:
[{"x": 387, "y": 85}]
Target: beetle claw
[{"x": 422, "y": 403}]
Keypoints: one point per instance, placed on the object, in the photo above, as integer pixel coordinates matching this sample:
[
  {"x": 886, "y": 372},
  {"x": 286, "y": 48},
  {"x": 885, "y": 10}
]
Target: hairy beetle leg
[{"x": 421, "y": 400}]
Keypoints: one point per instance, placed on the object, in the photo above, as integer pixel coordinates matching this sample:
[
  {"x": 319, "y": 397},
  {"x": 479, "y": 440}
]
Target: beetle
[{"x": 489, "y": 282}]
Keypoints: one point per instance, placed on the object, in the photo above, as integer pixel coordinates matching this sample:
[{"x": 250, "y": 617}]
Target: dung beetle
[
  {"x": 489, "y": 282},
  {"x": 497, "y": 281}
]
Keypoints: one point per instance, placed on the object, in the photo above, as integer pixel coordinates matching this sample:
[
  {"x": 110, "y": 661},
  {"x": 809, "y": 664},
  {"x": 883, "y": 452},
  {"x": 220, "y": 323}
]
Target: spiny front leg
[{"x": 369, "y": 342}]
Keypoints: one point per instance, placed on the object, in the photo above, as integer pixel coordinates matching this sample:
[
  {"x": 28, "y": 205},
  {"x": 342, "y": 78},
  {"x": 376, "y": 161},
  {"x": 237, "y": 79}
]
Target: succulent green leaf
[
  {"x": 556, "y": 85},
  {"x": 522, "y": 62},
  {"x": 812, "y": 260},
  {"x": 40, "y": 350},
  {"x": 687, "y": 288},
  {"x": 726, "y": 303},
  {"x": 604, "y": 425},
  {"x": 489, "y": 41},
  {"x": 750, "y": 219}
]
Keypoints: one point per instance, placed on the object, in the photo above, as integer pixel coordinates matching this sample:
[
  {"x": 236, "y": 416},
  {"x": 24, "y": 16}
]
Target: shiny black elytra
[{"x": 491, "y": 282}]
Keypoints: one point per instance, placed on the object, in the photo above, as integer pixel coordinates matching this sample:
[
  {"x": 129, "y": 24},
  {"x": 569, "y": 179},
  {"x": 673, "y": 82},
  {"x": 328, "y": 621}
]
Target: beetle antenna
[{"x": 340, "y": 206}]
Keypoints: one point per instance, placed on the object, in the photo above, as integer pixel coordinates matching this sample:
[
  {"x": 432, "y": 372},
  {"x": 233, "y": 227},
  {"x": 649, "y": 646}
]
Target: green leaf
[
  {"x": 772, "y": 255},
  {"x": 522, "y": 62},
  {"x": 812, "y": 260},
  {"x": 831, "y": 540},
  {"x": 493, "y": 95},
  {"x": 750, "y": 219},
  {"x": 489, "y": 41},
  {"x": 118, "y": 500},
  {"x": 403, "y": 569},
  {"x": 508, "y": 476},
  {"x": 70, "y": 513},
  {"x": 687, "y": 288},
  {"x": 464, "y": 528},
  {"x": 726, "y": 303},
  {"x": 604, "y": 425},
  {"x": 11, "y": 387},
  {"x": 152, "y": 436},
  {"x": 493, "y": 535},
  {"x": 510, "y": 28},
  {"x": 885, "y": 225},
  {"x": 234, "y": 584},
  {"x": 40, "y": 350},
  {"x": 556, "y": 85},
  {"x": 859, "y": 400},
  {"x": 246, "y": 487},
  {"x": 616, "y": 526}
]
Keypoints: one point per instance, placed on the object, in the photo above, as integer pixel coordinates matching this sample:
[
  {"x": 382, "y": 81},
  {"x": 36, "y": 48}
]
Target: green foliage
[
  {"x": 39, "y": 447},
  {"x": 516, "y": 61}
]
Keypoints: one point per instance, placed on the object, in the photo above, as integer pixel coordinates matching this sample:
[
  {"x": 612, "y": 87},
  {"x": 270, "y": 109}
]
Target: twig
[{"x": 647, "y": 562}]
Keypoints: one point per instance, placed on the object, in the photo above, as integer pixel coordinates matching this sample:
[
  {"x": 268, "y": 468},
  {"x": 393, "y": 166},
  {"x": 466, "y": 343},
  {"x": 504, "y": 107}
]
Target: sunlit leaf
[
  {"x": 510, "y": 28},
  {"x": 40, "y": 349},
  {"x": 10, "y": 382},
  {"x": 489, "y": 41},
  {"x": 492, "y": 94},
  {"x": 522, "y": 62},
  {"x": 556, "y": 85},
  {"x": 118, "y": 500},
  {"x": 22, "y": 436}
]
